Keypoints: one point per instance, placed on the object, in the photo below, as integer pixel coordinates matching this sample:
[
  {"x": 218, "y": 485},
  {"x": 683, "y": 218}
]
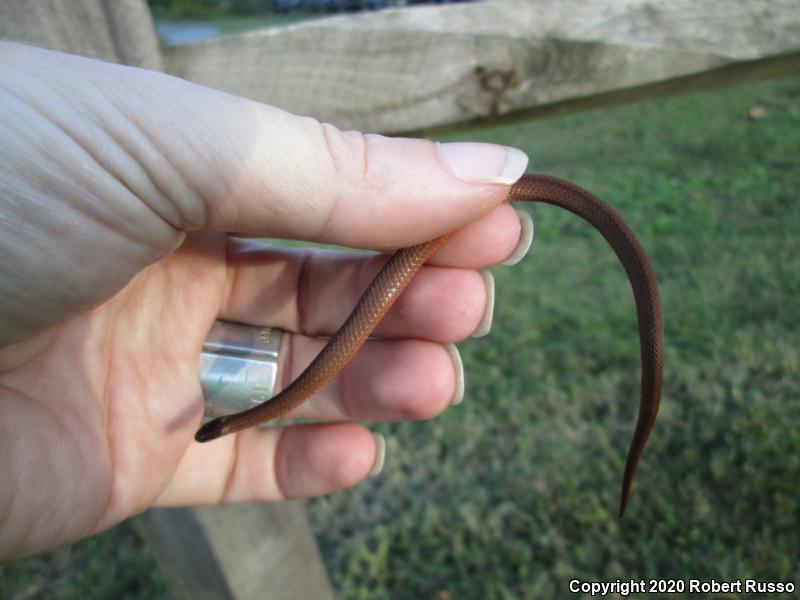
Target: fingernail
[
  {"x": 483, "y": 163},
  {"x": 485, "y": 326},
  {"x": 380, "y": 455},
  {"x": 525, "y": 238},
  {"x": 455, "y": 356}
]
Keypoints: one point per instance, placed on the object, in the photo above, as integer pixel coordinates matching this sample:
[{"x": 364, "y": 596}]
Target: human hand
[{"x": 117, "y": 188}]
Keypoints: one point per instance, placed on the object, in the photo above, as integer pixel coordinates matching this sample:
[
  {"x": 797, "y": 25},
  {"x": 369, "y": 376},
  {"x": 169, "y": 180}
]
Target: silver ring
[{"x": 238, "y": 366}]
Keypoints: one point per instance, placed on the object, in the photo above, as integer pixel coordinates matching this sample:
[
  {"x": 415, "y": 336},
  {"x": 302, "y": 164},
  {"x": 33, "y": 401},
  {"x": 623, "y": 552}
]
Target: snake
[{"x": 392, "y": 279}]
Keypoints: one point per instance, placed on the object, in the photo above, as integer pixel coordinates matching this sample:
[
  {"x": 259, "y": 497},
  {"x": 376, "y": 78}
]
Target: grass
[
  {"x": 514, "y": 493},
  {"x": 229, "y": 25},
  {"x": 115, "y": 564}
]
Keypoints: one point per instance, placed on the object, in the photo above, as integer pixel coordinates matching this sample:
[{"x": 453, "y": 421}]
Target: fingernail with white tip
[
  {"x": 525, "y": 238},
  {"x": 380, "y": 455},
  {"x": 485, "y": 326},
  {"x": 483, "y": 163},
  {"x": 458, "y": 365}
]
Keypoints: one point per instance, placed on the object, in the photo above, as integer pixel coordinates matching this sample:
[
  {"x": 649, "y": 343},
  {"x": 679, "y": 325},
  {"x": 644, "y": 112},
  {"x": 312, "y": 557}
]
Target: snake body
[{"x": 400, "y": 269}]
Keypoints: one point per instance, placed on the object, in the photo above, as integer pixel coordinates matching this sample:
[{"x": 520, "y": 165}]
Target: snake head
[{"x": 211, "y": 430}]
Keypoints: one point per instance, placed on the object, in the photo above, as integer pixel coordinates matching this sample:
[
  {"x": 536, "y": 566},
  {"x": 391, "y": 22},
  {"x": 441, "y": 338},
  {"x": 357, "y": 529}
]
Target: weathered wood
[
  {"x": 120, "y": 31},
  {"x": 732, "y": 74},
  {"x": 421, "y": 67},
  {"x": 247, "y": 551}
]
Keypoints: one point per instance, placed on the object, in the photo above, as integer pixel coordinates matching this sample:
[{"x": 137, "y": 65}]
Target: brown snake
[{"x": 395, "y": 275}]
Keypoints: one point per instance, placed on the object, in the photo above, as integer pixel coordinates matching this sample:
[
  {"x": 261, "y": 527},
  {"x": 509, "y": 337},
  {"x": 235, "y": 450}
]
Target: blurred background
[
  {"x": 186, "y": 21},
  {"x": 685, "y": 119}
]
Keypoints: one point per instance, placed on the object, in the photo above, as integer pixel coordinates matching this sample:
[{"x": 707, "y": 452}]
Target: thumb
[
  {"x": 232, "y": 164},
  {"x": 106, "y": 168}
]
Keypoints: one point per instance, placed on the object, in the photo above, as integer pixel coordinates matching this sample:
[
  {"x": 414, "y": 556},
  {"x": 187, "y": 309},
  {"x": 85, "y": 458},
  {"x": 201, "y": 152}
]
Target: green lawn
[
  {"x": 514, "y": 493},
  {"x": 229, "y": 25}
]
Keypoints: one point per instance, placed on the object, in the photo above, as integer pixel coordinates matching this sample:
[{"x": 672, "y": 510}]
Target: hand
[{"x": 117, "y": 188}]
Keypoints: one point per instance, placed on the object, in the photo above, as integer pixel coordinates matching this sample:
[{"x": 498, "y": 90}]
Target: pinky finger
[{"x": 274, "y": 464}]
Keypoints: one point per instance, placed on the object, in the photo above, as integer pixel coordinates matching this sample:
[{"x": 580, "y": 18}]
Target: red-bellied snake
[{"x": 395, "y": 275}]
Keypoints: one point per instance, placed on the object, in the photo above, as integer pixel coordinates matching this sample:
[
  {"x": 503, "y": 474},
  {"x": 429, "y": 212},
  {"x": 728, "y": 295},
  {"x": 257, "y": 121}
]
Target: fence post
[{"x": 244, "y": 551}]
